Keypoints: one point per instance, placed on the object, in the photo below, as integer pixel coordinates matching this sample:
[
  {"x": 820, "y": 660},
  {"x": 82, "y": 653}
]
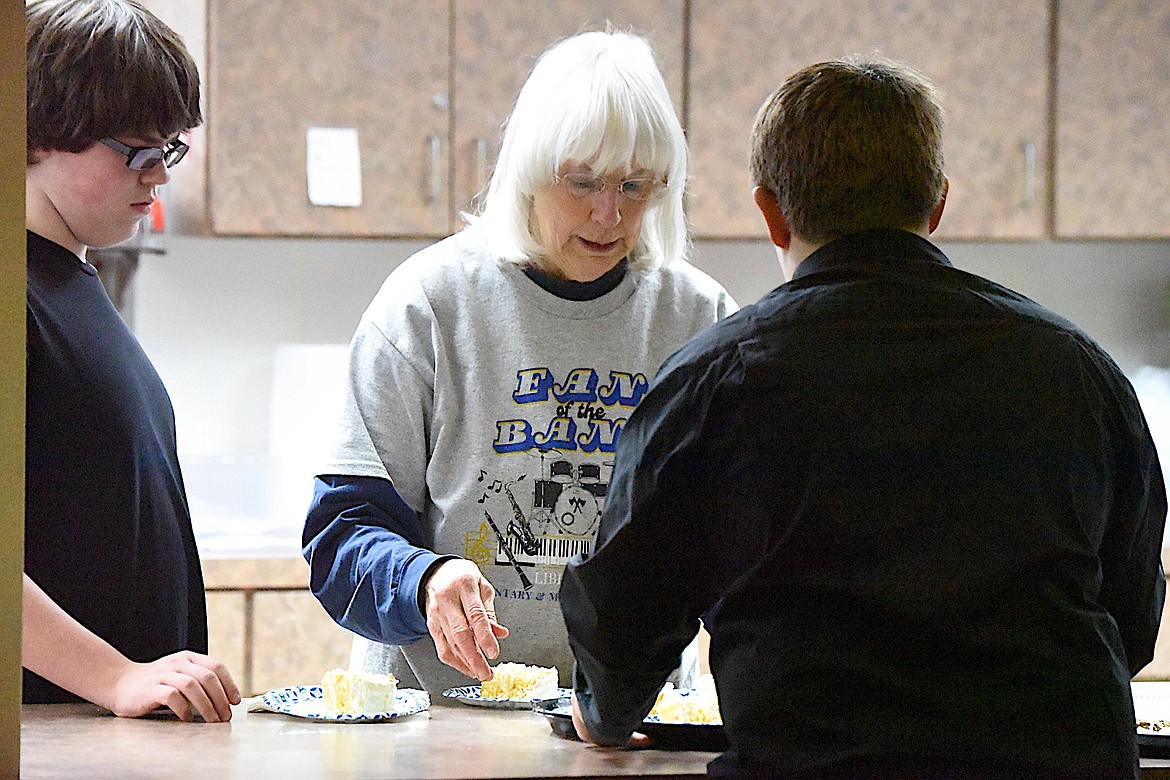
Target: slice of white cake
[
  {"x": 357, "y": 693},
  {"x": 518, "y": 681}
]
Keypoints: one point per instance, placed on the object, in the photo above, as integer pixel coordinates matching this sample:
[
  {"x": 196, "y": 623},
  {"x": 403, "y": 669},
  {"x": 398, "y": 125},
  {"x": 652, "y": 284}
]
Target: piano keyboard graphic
[{"x": 551, "y": 550}]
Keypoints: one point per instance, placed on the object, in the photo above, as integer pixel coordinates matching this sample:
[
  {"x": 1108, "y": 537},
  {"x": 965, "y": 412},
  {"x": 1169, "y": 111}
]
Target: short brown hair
[
  {"x": 849, "y": 145},
  {"x": 100, "y": 68}
]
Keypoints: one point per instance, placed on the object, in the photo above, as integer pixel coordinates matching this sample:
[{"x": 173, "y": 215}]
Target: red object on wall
[{"x": 158, "y": 219}]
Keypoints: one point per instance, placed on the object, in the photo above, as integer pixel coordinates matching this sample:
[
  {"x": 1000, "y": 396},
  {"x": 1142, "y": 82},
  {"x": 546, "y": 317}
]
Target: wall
[
  {"x": 216, "y": 315},
  {"x": 212, "y": 314},
  {"x": 11, "y": 378}
]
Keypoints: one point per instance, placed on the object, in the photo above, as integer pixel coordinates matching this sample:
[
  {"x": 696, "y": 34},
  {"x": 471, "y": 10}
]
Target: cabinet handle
[
  {"x": 481, "y": 175},
  {"x": 1029, "y": 150},
  {"x": 435, "y": 190}
]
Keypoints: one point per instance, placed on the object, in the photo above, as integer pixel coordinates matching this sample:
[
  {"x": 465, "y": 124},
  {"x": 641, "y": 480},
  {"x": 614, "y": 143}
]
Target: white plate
[
  {"x": 1151, "y": 703},
  {"x": 470, "y": 694},
  {"x": 307, "y": 701}
]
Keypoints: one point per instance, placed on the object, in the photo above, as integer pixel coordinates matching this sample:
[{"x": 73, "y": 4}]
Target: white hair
[{"x": 596, "y": 97}]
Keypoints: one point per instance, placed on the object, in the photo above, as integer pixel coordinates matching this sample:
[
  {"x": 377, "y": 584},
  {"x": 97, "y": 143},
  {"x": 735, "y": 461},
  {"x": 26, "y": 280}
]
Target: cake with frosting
[
  {"x": 358, "y": 693},
  {"x": 518, "y": 681}
]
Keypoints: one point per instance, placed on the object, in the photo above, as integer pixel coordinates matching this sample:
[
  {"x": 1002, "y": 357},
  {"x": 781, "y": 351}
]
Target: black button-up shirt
[{"x": 920, "y": 515}]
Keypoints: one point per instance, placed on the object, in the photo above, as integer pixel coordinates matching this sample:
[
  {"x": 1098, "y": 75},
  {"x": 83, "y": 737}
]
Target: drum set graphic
[
  {"x": 567, "y": 500},
  {"x": 571, "y": 498}
]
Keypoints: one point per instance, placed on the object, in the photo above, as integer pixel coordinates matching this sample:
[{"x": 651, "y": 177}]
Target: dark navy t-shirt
[{"x": 107, "y": 530}]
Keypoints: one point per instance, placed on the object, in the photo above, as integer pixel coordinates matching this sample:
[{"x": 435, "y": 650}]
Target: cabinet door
[
  {"x": 1112, "y": 115},
  {"x": 184, "y": 196},
  {"x": 498, "y": 41},
  {"x": 294, "y": 641},
  {"x": 988, "y": 59},
  {"x": 277, "y": 69}
]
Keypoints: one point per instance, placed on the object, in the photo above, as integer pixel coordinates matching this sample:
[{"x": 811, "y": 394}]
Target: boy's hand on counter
[
  {"x": 57, "y": 647},
  {"x": 461, "y": 616},
  {"x": 190, "y": 684}
]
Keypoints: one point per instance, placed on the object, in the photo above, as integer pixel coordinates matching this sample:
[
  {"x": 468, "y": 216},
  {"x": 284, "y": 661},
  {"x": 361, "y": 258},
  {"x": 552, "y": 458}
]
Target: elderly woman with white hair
[{"x": 490, "y": 379}]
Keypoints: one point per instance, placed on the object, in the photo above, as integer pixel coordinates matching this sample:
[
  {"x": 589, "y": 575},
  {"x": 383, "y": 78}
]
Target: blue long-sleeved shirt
[{"x": 368, "y": 553}]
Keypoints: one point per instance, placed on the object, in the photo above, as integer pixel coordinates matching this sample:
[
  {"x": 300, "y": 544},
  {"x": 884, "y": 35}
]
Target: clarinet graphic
[
  {"x": 520, "y": 527},
  {"x": 508, "y": 551}
]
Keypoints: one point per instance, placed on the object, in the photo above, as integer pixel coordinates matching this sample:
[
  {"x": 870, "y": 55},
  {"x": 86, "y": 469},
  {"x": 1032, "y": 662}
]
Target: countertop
[{"x": 79, "y": 740}]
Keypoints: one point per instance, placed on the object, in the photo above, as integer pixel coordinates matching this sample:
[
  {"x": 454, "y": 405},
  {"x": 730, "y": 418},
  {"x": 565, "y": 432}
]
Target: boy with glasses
[{"x": 114, "y": 606}]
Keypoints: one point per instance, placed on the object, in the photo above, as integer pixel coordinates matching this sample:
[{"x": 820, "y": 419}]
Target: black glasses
[
  {"x": 585, "y": 185},
  {"x": 142, "y": 158}
]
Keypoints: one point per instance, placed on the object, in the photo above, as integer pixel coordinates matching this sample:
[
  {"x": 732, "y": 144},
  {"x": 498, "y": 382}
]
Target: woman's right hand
[{"x": 461, "y": 617}]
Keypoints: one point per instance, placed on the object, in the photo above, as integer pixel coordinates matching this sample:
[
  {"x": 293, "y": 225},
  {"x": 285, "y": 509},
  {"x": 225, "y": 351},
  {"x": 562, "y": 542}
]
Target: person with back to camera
[
  {"x": 927, "y": 512},
  {"x": 491, "y": 376},
  {"x": 114, "y": 606}
]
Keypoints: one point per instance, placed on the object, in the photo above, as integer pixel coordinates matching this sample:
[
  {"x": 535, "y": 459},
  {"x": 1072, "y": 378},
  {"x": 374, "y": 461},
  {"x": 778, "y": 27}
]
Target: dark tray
[
  {"x": 663, "y": 736},
  {"x": 1149, "y": 745}
]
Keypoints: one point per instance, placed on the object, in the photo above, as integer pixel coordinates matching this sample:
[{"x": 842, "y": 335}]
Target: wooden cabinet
[
  {"x": 496, "y": 44},
  {"x": 276, "y": 69},
  {"x": 266, "y": 626},
  {"x": 989, "y": 59},
  {"x": 428, "y": 110},
  {"x": 1112, "y": 119},
  {"x": 428, "y": 87}
]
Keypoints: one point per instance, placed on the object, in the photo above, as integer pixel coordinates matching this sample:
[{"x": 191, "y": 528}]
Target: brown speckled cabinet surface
[
  {"x": 496, "y": 44},
  {"x": 428, "y": 85},
  {"x": 428, "y": 132},
  {"x": 294, "y": 641},
  {"x": 227, "y": 636},
  {"x": 278, "y": 68},
  {"x": 989, "y": 59},
  {"x": 1113, "y": 119}
]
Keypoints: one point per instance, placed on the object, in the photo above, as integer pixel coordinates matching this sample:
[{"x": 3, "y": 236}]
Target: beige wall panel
[{"x": 12, "y": 344}]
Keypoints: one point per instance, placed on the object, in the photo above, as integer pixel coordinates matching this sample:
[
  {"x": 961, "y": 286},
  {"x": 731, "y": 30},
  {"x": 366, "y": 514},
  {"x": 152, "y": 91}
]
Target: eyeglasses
[
  {"x": 585, "y": 185},
  {"x": 142, "y": 158}
]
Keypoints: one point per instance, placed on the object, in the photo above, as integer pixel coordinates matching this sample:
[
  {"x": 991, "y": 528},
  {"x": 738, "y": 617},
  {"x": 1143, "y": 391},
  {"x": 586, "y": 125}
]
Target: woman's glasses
[
  {"x": 586, "y": 185},
  {"x": 142, "y": 158}
]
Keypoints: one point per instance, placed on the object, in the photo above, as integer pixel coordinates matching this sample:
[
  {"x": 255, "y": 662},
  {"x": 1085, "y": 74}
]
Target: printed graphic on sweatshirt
[
  {"x": 541, "y": 504},
  {"x": 588, "y": 418}
]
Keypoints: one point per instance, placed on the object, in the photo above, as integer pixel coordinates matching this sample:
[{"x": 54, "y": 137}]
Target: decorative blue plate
[
  {"x": 470, "y": 694},
  {"x": 307, "y": 701}
]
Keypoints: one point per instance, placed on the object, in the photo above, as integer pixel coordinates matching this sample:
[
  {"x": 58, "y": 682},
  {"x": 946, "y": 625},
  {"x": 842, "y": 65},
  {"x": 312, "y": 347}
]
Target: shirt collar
[
  {"x": 879, "y": 247},
  {"x": 579, "y": 291}
]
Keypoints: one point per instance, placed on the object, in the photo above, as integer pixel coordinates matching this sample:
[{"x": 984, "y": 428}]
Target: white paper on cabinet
[{"x": 334, "y": 166}]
